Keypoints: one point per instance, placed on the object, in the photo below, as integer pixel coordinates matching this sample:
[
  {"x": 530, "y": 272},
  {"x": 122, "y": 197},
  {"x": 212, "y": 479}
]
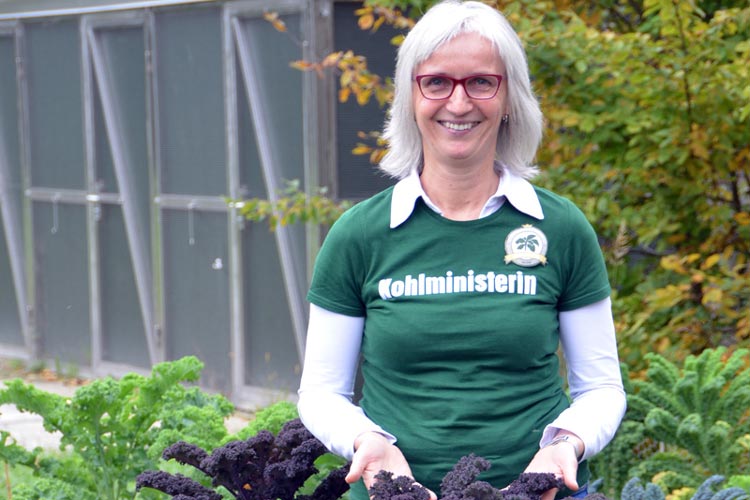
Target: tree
[{"x": 647, "y": 106}]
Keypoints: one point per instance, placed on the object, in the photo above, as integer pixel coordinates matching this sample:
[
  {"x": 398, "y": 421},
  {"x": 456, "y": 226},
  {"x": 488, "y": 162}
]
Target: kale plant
[
  {"x": 113, "y": 429},
  {"x": 684, "y": 423},
  {"x": 708, "y": 490},
  {"x": 261, "y": 467},
  {"x": 461, "y": 484}
]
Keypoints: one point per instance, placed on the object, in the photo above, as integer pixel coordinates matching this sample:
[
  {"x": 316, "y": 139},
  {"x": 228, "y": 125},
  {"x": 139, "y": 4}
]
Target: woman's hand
[
  {"x": 559, "y": 459},
  {"x": 373, "y": 453}
]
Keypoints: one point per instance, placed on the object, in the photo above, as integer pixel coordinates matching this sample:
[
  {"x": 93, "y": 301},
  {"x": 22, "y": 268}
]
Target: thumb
[
  {"x": 569, "y": 473},
  {"x": 356, "y": 469}
]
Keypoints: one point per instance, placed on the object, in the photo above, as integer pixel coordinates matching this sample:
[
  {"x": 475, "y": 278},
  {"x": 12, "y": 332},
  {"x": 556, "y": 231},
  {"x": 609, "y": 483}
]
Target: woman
[{"x": 457, "y": 285}]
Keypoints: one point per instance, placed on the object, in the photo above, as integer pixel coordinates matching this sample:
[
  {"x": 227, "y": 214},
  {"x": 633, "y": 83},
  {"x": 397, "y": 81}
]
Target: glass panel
[
  {"x": 9, "y": 121},
  {"x": 196, "y": 292},
  {"x": 126, "y": 70},
  {"x": 10, "y": 323},
  {"x": 61, "y": 280},
  {"x": 191, "y": 102},
  {"x": 55, "y": 117},
  {"x": 105, "y": 169},
  {"x": 124, "y": 339},
  {"x": 280, "y": 88},
  {"x": 10, "y": 169},
  {"x": 271, "y": 358},
  {"x": 357, "y": 177}
]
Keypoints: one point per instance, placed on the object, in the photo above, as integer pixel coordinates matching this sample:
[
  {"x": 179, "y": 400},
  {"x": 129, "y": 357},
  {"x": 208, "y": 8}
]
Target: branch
[{"x": 685, "y": 83}]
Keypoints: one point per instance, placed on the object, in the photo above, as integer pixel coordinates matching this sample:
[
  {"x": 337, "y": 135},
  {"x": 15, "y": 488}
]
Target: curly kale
[
  {"x": 386, "y": 487},
  {"x": 177, "y": 485},
  {"x": 261, "y": 467},
  {"x": 531, "y": 486},
  {"x": 333, "y": 486},
  {"x": 463, "y": 474},
  {"x": 185, "y": 453},
  {"x": 461, "y": 484}
]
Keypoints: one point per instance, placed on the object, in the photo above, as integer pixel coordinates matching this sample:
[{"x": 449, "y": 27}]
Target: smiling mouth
[{"x": 459, "y": 126}]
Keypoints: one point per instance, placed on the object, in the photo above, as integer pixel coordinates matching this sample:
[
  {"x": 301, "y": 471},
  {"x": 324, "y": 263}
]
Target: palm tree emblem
[
  {"x": 528, "y": 243},
  {"x": 526, "y": 247}
]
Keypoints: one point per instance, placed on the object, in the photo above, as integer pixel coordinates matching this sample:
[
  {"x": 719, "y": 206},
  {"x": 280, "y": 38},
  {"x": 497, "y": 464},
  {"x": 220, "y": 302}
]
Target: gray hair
[{"x": 518, "y": 139}]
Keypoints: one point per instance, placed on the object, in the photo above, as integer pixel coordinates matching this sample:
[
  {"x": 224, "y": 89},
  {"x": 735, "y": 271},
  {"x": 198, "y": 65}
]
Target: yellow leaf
[
  {"x": 712, "y": 295},
  {"x": 361, "y": 149},
  {"x": 332, "y": 59},
  {"x": 667, "y": 297},
  {"x": 346, "y": 79},
  {"x": 344, "y": 94},
  {"x": 365, "y": 22},
  {"x": 672, "y": 263},
  {"x": 711, "y": 261},
  {"x": 742, "y": 218},
  {"x": 363, "y": 97},
  {"x": 693, "y": 257},
  {"x": 570, "y": 120},
  {"x": 397, "y": 40},
  {"x": 377, "y": 155},
  {"x": 302, "y": 65},
  {"x": 276, "y": 22}
]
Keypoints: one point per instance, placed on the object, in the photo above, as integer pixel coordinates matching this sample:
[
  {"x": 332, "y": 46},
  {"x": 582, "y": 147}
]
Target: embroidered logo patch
[{"x": 526, "y": 247}]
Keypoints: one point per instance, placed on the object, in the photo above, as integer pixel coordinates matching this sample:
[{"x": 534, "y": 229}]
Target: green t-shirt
[{"x": 459, "y": 353}]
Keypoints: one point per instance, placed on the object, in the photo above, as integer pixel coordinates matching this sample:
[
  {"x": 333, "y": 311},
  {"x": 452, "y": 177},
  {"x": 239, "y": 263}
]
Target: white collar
[{"x": 517, "y": 190}]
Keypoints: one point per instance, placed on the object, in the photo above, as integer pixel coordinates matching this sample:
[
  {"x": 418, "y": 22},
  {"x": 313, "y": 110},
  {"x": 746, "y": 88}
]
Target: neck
[{"x": 460, "y": 193}]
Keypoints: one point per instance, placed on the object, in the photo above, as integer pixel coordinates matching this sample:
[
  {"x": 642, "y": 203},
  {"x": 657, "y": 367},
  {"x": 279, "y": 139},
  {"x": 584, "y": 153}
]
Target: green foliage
[
  {"x": 683, "y": 424},
  {"x": 292, "y": 206},
  {"x": 271, "y": 418},
  {"x": 111, "y": 430},
  {"x": 634, "y": 490},
  {"x": 741, "y": 481},
  {"x": 46, "y": 488},
  {"x": 647, "y": 107},
  {"x": 12, "y": 453},
  {"x": 614, "y": 463},
  {"x": 708, "y": 490}
]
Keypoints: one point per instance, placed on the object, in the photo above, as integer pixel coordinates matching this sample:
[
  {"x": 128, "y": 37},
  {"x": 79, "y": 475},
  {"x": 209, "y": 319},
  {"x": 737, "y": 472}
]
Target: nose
[{"x": 459, "y": 102}]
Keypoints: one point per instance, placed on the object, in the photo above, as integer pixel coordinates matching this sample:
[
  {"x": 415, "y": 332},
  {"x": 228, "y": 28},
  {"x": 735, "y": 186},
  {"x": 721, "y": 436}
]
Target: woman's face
[{"x": 459, "y": 129}]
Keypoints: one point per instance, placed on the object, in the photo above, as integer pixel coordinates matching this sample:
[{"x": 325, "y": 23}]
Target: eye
[
  {"x": 481, "y": 82},
  {"x": 435, "y": 82}
]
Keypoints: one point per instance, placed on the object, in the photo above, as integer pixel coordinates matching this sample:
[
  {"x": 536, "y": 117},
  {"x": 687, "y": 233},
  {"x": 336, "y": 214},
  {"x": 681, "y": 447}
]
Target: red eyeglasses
[{"x": 437, "y": 87}]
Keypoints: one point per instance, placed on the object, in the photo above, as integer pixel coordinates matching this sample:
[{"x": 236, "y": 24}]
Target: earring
[{"x": 505, "y": 119}]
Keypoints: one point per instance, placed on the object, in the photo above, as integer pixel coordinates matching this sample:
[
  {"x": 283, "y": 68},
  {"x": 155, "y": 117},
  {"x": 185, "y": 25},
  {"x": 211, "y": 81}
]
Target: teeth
[{"x": 458, "y": 126}]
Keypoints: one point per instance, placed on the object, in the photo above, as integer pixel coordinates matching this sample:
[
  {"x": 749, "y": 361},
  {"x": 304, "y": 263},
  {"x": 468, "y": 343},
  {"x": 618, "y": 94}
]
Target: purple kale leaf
[
  {"x": 261, "y": 467},
  {"x": 176, "y": 485},
  {"x": 461, "y": 484},
  {"x": 185, "y": 453},
  {"x": 386, "y": 487},
  {"x": 462, "y": 474},
  {"x": 531, "y": 485}
]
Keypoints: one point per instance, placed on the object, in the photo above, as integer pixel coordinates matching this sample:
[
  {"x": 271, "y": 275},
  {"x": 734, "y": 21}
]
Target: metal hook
[
  {"x": 191, "y": 223},
  {"x": 55, "y": 215}
]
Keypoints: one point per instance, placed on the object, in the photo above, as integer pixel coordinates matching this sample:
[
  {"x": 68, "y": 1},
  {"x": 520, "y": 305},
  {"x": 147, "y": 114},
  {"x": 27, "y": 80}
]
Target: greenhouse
[{"x": 129, "y": 134}]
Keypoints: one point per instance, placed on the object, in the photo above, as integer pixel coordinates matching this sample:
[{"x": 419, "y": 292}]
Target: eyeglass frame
[{"x": 456, "y": 82}]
